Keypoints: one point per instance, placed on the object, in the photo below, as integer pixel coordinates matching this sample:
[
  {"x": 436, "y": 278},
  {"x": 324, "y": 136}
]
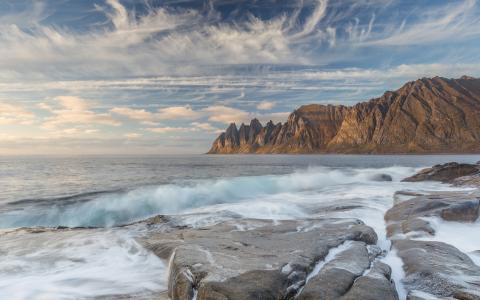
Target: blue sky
[{"x": 146, "y": 77}]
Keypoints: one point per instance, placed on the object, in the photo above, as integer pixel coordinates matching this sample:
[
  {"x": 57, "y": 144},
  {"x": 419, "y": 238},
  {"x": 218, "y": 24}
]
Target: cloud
[
  {"x": 266, "y": 105},
  {"x": 75, "y": 110},
  {"x": 177, "y": 112},
  {"x": 152, "y": 118},
  {"x": 171, "y": 40},
  {"x": 15, "y": 115},
  {"x": 135, "y": 114},
  {"x": 162, "y": 40},
  {"x": 224, "y": 114},
  {"x": 133, "y": 135},
  {"x": 204, "y": 127},
  {"x": 168, "y": 129},
  {"x": 194, "y": 127},
  {"x": 213, "y": 113},
  {"x": 455, "y": 21}
]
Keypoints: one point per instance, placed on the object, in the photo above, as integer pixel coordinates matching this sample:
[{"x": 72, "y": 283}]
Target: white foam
[
  {"x": 464, "y": 236},
  {"x": 112, "y": 209},
  {"x": 398, "y": 274},
  {"x": 77, "y": 264}
]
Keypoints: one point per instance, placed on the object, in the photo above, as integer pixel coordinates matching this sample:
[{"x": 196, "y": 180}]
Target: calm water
[{"x": 195, "y": 190}]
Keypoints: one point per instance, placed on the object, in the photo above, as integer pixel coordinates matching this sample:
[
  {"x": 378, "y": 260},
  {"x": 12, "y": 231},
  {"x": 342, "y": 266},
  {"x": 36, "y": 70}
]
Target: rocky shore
[
  {"x": 421, "y": 245},
  {"x": 326, "y": 257}
]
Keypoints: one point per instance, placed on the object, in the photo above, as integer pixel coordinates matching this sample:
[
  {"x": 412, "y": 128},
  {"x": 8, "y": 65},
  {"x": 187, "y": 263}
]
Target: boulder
[{"x": 382, "y": 177}]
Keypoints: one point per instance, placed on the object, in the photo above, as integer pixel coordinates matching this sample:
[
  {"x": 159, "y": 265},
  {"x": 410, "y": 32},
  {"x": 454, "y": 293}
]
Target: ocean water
[{"x": 105, "y": 192}]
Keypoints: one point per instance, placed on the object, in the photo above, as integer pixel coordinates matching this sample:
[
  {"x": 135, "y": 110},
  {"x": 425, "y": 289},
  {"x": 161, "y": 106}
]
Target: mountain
[{"x": 429, "y": 115}]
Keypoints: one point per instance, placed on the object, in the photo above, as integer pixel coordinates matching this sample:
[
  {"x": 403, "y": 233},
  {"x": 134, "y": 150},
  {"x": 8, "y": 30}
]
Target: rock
[
  {"x": 471, "y": 180},
  {"x": 445, "y": 173},
  {"x": 409, "y": 215},
  {"x": 429, "y": 115},
  {"x": 463, "y": 211},
  {"x": 351, "y": 274},
  {"x": 401, "y": 196},
  {"x": 266, "y": 261},
  {"x": 382, "y": 177},
  {"x": 375, "y": 285},
  {"x": 438, "y": 269},
  {"x": 338, "y": 275},
  {"x": 249, "y": 285}
]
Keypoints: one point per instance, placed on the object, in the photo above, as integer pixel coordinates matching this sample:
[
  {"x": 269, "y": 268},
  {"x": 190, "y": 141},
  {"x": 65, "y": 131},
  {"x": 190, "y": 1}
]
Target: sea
[{"x": 101, "y": 194}]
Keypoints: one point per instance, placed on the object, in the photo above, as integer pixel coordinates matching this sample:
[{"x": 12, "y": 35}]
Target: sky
[{"x": 165, "y": 77}]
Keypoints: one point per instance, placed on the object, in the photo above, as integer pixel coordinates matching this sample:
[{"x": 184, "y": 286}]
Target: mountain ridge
[{"x": 428, "y": 115}]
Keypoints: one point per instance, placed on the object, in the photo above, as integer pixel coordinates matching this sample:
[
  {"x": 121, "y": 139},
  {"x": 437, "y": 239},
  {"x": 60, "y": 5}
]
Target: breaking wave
[{"x": 111, "y": 209}]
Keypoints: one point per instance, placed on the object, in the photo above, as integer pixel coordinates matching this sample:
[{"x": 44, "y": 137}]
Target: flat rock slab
[{"x": 255, "y": 259}]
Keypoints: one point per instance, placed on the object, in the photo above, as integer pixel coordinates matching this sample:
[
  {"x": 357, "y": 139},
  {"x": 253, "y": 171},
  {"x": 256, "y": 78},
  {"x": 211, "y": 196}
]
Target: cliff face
[{"x": 429, "y": 115}]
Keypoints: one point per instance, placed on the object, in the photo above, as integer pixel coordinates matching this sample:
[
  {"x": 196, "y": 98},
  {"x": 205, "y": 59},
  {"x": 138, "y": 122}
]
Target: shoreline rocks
[{"x": 326, "y": 258}]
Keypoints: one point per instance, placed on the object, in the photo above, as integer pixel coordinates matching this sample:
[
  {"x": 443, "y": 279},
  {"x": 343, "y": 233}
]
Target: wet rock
[
  {"x": 471, "y": 180},
  {"x": 250, "y": 285},
  {"x": 445, "y": 173},
  {"x": 337, "y": 276},
  {"x": 463, "y": 211},
  {"x": 375, "y": 285},
  {"x": 382, "y": 177},
  {"x": 401, "y": 196},
  {"x": 352, "y": 274},
  {"x": 437, "y": 268},
  {"x": 250, "y": 259},
  {"x": 409, "y": 215}
]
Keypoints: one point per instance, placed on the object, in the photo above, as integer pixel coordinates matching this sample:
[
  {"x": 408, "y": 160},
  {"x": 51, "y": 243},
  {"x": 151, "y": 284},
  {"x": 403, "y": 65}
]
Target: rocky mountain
[{"x": 429, "y": 115}]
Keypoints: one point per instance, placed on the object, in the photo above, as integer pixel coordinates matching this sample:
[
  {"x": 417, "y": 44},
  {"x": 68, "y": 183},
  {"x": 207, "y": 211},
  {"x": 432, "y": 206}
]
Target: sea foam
[{"x": 280, "y": 191}]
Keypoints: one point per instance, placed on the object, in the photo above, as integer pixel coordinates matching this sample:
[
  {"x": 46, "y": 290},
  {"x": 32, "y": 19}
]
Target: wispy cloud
[
  {"x": 455, "y": 21},
  {"x": 11, "y": 114},
  {"x": 155, "y": 73},
  {"x": 265, "y": 105},
  {"x": 75, "y": 110}
]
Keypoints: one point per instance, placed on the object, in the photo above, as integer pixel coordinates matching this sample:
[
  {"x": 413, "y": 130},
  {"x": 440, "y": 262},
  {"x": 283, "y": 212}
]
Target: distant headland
[{"x": 429, "y": 115}]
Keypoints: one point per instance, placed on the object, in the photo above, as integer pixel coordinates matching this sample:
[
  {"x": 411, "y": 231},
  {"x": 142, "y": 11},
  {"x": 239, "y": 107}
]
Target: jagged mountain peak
[{"x": 428, "y": 115}]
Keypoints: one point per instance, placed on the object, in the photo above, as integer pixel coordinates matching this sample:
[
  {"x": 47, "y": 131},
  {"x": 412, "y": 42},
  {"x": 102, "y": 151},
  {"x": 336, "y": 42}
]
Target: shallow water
[{"x": 196, "y": 190}]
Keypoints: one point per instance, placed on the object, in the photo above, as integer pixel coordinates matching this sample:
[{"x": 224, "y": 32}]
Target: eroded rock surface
[{"x": 258, "y": 259}]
